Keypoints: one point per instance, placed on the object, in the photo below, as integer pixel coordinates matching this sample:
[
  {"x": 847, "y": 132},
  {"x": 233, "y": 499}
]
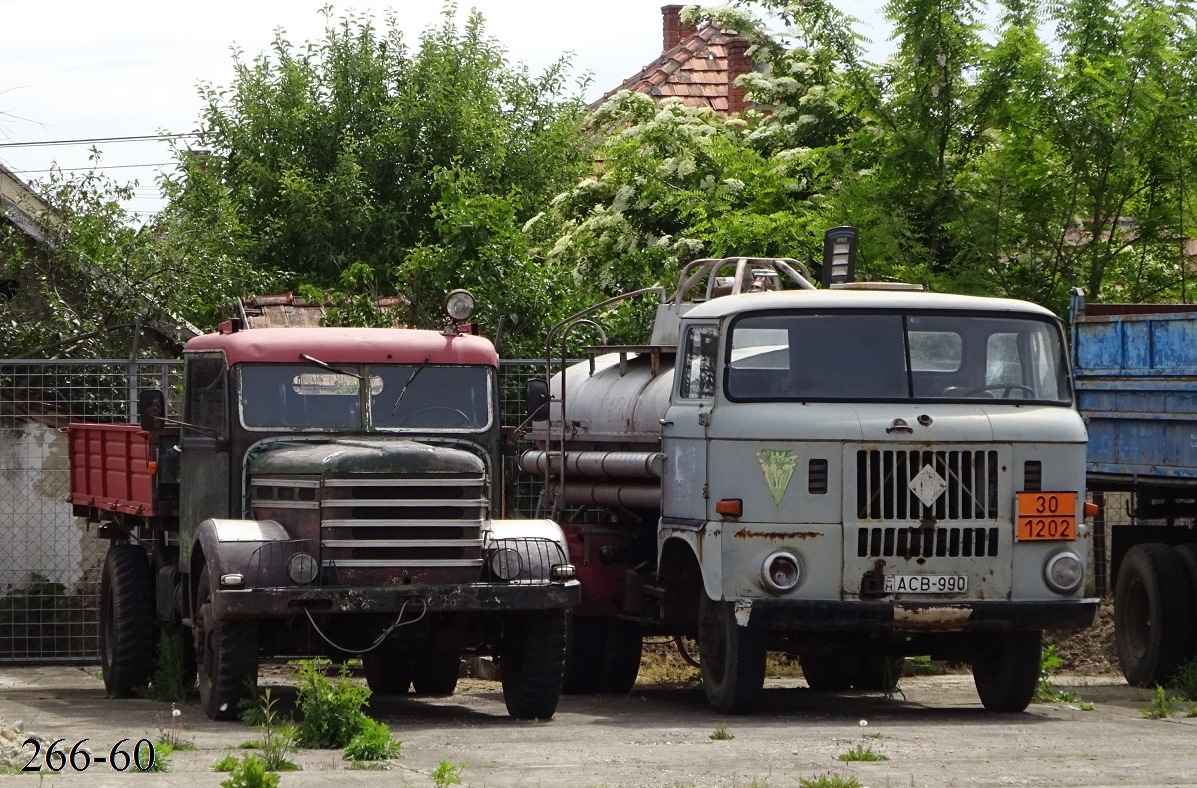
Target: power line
[
  {"x": 98, "y": 167},
  {"x": 92, "y": 140}
]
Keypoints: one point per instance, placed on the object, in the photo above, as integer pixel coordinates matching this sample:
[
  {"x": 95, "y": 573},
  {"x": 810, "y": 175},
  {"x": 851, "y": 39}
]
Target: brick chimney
[
  {"x": 674, "y": 31},
  {"x": 738, "y": 63}
]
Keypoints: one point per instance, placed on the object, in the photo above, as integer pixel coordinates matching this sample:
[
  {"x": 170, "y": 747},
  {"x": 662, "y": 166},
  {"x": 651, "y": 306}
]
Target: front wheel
[
  {"x": 732, "y": 658},
  {"x": 532, "y": 662},
  {"x": 1153, "y": 617},
  {"x": 226, "y": 654},
  {"x": 126, "y": 619},
  {"x": 1006, "y": 670}
]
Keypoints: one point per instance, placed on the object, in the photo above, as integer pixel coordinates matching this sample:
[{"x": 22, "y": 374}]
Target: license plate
[
  {"x": 926, "y": 584},
  {"x": 1046, "y": 516}
]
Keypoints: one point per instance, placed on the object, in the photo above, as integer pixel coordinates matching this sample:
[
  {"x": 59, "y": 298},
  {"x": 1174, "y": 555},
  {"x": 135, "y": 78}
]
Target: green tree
[{"x": 422, "y": 165}]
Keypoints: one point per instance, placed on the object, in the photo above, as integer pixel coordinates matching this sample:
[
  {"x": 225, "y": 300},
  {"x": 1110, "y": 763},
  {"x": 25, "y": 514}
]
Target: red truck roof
[{"x": 348, "y": 346}]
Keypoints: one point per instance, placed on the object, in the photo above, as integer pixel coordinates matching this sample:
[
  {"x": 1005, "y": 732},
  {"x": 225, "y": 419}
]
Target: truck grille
[
  {"x": 949, "y": 542},
  {"x": 884, "y": 478},
  {"x": 429, "y": 521}
]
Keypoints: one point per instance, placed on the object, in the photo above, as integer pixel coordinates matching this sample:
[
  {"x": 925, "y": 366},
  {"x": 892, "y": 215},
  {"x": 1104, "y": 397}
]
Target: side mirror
[
  {"x": 151, "y": 410},
  {"x": 538, "y": 399}
]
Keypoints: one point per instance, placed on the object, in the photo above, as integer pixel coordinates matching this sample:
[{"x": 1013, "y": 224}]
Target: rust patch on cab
[{"x": 747, "y": 533}]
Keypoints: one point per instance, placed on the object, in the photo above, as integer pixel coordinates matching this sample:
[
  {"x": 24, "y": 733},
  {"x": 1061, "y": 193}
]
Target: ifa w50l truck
[
  {"x": 848, "y": 475},
  {"x": 326, "y": 491},
  {"x": 1136, "y": 380}
]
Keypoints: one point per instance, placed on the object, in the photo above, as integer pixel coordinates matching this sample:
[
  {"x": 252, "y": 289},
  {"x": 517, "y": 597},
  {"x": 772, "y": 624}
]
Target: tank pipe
[
  {"x": 633, "y": 496},
  {"x": 596, "y": 464},
  {"x": 566, "y": 325}
]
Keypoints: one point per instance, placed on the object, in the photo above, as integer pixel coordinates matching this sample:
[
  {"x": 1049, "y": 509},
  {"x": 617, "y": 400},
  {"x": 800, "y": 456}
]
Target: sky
[{"x": 88, "y": 69}]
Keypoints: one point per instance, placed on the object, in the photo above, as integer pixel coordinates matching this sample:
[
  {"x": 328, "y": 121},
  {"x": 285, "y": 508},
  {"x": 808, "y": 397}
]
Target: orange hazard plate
[{"x": 1046, "y": 516}]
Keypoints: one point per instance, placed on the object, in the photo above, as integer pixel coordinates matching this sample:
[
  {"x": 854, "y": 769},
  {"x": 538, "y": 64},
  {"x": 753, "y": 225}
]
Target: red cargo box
[{"x": 110, "y": 468}]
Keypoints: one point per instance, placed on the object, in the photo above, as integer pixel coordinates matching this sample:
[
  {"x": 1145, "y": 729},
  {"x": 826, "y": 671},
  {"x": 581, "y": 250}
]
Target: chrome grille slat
[
  {"x": 348, "y": 563},
  {"x": 360, "y": 543},
  {"x": 343, "y": 503}
]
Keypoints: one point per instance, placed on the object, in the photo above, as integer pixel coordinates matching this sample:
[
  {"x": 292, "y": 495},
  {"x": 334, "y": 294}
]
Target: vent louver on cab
[{"x": 914, "y": 542}]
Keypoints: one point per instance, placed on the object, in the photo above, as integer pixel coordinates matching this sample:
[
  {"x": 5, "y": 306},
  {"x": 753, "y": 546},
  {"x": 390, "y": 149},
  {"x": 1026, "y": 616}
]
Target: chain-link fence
[{"x": 50, "y": 561}]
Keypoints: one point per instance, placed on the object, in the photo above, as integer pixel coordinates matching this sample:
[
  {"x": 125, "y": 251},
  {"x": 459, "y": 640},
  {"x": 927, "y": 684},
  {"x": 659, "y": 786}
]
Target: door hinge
[
  {"x": 704, "y": 419},
  {"x": 706, "y": 491}
]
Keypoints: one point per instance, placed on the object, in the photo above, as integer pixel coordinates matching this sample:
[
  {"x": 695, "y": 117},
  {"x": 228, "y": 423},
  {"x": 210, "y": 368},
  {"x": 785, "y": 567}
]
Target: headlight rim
[{"x": 767, "y": 577}]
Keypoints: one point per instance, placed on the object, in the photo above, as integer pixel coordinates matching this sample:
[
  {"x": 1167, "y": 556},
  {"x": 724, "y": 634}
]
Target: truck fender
[
  {"x": 528, "y": 537},
  {"x": 258, "y": 550},
  {"x": 687, "y": 546}
]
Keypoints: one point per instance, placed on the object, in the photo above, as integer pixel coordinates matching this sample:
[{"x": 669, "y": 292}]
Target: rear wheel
[
  {"x": 532, "y": 662},
  {"x": 389, "y": 670},
  {"x": 603, "y": 656},
  {"x": 1153, "y": 618},
  {"x": 226, "y": 654},
  {"x": 1006, "y": 669},
  {"x": 732, "y": 658},
  {"x": 1188, "y": 556},
  {"x": 436, "y": 673},
  {"x": 126, "y": 619}
]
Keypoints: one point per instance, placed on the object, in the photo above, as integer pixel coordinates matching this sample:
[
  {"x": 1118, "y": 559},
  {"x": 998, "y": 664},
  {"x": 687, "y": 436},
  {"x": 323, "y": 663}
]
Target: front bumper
[
  {"x": 880, "y": 616},
  {"x": 465, "y": 598}
]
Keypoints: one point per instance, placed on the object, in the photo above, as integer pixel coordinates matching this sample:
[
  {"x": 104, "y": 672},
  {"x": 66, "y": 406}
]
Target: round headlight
[
  {"x": 459, "y": 305},
  {"x": 1064, "y": 572},
  {"x": 505, "y": 564},
  {"x": 781, "y": 572},
  {"x": 302, "y": 568}
]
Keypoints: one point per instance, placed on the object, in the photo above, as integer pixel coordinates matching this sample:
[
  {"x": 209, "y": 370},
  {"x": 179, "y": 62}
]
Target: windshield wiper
[
  {"x": 402, "y": 391},
  {"x": 329, "y": 367}
]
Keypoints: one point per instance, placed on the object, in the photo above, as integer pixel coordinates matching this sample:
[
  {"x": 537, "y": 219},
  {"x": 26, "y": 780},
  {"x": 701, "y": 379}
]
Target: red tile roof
[{"x": 699, "y": 71}]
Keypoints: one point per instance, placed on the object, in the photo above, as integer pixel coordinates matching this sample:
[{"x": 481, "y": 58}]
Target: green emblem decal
[{"x": 778, "y": 467}]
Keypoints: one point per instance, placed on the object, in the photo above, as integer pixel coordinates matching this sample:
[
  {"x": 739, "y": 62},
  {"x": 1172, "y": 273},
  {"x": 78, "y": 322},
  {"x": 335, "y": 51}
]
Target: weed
[
  {"x": 6, "y": 769},
  {"x": 378, "y": 766},
  {"x": 172, "y": 733},
  {"x": 446, "y": 774},
  {"x": 829, "y": 781},
  {"x": 373, "y": 743},
  {"x": 250, "y": 744},
  {"x": 1162, "y": 706},
  {"x": 226, "y": 764},
  {"x": 173, "y": 678},
  {"x": 1085, "y": 706},
  {"x": 332, "y": 713},
  {"x": 863, "y": 752},
  {"x": 1192, "y": 712},
  {"x": 721, "y": 733},
  {"x": 922, "y": 666},
  {"x": 278, "y": 738},
  {"x": 1184, "y": 680},
  {"x": 1046, "y": 691},
  {"x": 250, "y": 772},
  {"x": 163, "y": 750}
]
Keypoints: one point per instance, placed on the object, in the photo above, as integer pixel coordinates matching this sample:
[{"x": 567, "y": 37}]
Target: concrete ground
[{"x": 938, "y": 735}]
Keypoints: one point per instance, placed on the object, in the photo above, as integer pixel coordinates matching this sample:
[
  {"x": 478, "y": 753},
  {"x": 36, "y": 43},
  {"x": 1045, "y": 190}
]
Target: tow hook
[{"x": 872, "y": 582}]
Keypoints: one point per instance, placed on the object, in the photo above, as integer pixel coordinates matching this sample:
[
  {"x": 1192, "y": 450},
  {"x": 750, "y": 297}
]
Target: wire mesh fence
[{"x": 50, "y": 562}]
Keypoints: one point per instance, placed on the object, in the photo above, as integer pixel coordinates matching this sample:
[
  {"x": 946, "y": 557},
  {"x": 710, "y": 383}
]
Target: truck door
[
  {"x": 204, "y": 443},
  {"x": 684, "y": 429}
]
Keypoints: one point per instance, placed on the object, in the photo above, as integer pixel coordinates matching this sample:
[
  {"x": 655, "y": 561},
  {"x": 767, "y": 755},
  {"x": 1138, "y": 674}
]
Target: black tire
[
  {"x": 1188, "y": 556},
  {"x": 829, "y": 672},
  {"x": 226, "y": 653},
  {"x": 1006, "y": 670},
  {"x": 126, "y": 619},
  {"x": 436, "y": 673},
  {"x": 583, "y": 649},
  {"x": 732, "y": 658},
  {"x": 1153, "y": 614},
  {"x": 532, "y": 663},
  {"x": 621, "y": 657},
  {"x": 389, "y": 670},
  {"x": 602, "y": 656},
  {"x": 878, "y": 674}
]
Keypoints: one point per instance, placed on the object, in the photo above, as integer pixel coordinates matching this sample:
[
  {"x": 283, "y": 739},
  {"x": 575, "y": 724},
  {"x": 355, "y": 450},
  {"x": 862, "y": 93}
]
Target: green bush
[
  {"x": 226, "y": 764},
  {"x": 250, "y": 772},
  {"x": 174, "y": 669},
  {"x": 446, "y": 774},
  {"x": 332, "y": 713},
  {"x": 863, "y": 752},
  {"x": 162, "y": 752},
  {"x": 373, "y": 743},
  {"x": 829, "y": 781}
]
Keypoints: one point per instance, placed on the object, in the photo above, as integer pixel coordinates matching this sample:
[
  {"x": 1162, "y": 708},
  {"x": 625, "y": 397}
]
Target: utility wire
[
  {"x": 98, "y": 167},
  {"x": 92, "y": 140}
]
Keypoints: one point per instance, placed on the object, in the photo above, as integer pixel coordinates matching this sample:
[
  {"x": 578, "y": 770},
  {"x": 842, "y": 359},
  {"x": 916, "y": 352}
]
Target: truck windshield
[
  {"x": 896, "y": 356},
  {"x": 275, "y": 396}
]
